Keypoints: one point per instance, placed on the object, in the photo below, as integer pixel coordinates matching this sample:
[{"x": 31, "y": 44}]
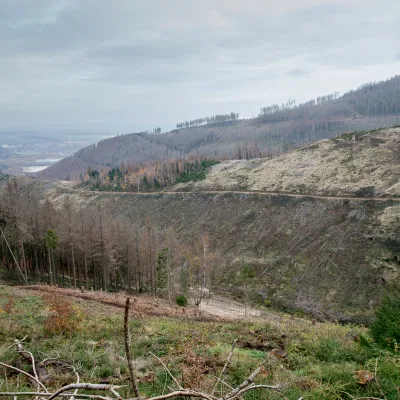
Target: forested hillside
[
  {"x": 156, "y": 176},
  {"x": 371, "y": 99},
  {"x": 130, "y": 149},
  {"x": 277, "y": 129}
]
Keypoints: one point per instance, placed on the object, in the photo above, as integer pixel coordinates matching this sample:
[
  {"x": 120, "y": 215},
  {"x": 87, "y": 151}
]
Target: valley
[
  {"x": 294, "y": 232},
  {"x": 31, "y": 152},
  {"x": 330, "y": 228},
  {"x": 289, "y": 258}
]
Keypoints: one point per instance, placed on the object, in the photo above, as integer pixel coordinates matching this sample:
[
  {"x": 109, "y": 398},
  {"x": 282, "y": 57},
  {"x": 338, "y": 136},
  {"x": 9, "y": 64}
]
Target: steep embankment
[
  {"x": 364, "y": 164},
  {"x": 321, "y": 253},
  {"x": 328, "y": 257}
]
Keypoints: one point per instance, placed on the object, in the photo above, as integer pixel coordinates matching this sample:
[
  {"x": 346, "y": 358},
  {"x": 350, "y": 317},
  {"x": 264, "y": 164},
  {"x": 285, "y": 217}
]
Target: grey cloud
[
  {"x": 298, "y": 72},
  {"x": 75, "y": 60}
]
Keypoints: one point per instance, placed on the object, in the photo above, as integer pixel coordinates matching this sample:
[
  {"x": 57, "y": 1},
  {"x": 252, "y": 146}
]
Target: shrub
[
  {"x": 143, "y": 289},
  {"x": 267, "y": 303},
  {"x": 386, "y": 327},
  {"x": 8, "y": 308},
  {"x": 248, "y": 271},
  {"x": 181, "y": 300},
  {"x": 63, "y": 318}
]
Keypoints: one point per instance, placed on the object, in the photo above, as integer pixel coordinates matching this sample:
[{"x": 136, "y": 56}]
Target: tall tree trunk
[
  {"x": 24, "y": 260},
  {"x": 84, "y": 253},
  {"x": 69, "y": 273},
  {"x": 168, "y": 279},
  {"x": 138, "y": 272},
  {"x": 128, "y": 267},
  {"x": 73, "y": 266},
  {"x": 50, "y": 268},
  {"x": 37, "y": 272},
  {"x": 104, "y": 267}
]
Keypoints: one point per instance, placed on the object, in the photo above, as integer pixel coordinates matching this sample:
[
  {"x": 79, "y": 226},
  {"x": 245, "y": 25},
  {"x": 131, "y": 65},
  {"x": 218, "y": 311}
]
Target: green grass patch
[{"x": 320, "y": 364}]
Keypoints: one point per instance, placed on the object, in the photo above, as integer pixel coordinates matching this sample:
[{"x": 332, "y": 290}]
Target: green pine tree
[{"x": 386, "y": 327}]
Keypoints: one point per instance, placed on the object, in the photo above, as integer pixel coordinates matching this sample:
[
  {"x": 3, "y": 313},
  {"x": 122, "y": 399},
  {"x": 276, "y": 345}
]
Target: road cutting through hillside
[{"x": 67, "y": 185}]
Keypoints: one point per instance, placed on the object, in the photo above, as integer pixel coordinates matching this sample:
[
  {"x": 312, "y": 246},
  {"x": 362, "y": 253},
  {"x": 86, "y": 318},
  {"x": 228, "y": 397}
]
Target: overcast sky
[{"x": 126, "y": 65}]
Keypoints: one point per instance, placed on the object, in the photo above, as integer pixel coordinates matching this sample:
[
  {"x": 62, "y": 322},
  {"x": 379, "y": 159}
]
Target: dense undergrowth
[{"x": 320, "y": 364}]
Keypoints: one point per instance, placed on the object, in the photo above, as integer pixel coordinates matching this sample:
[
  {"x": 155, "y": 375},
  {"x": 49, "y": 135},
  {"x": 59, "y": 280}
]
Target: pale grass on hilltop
[{"x": 338, "y": 167}]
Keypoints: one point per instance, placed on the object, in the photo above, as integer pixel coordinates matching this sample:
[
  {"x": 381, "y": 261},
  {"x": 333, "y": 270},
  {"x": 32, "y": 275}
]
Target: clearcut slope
[{"x": 364, "y": 164}]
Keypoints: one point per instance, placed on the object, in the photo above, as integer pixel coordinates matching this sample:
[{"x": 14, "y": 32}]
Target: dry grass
[{"x": 338, "y": 167}]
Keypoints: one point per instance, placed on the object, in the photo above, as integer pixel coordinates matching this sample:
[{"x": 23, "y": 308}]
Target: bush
[
  {"x": 63, "y": 317},
  {"x": 386, "y": 327},
  {"x": 8, "y": 308},
  {"x": 267, "y": 303},
  {"x": 181, "y": 300}
]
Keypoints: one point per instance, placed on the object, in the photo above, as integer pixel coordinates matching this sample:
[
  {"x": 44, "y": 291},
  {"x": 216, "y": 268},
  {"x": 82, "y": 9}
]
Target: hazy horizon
[{"x": 105, "y": 67}]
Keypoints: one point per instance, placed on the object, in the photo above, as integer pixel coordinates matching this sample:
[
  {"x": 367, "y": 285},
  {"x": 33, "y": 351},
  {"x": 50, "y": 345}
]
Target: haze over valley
[{"x": 30, "y": 151}]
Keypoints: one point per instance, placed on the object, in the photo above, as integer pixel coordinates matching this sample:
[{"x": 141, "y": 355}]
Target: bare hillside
[
  {"x": 276, "y": 130},
  {"x": 356, "y": 164},
  {"x": 328, "y": 257}
]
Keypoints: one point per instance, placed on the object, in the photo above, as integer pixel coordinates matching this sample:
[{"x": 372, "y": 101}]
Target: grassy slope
[
  {"x": 367, "y": 165},
  {"x": 321, "y": 358}
]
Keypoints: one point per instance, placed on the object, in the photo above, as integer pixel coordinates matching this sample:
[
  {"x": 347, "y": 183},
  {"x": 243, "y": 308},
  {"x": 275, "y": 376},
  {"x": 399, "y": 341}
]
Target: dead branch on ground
[{"x": 71, "y": 391}]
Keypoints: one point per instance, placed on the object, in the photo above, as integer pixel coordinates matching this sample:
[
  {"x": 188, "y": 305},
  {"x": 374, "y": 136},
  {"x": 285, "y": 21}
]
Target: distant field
[{"x": 21, "y": 152}]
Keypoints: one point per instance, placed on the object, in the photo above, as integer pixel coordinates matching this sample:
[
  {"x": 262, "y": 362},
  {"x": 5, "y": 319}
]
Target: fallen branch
[
  {"x": 26, "y": 374},
  {"x": 169, "y": 372},
  {"x": 83, "y": 386},
  {"x": 39, "y": 371},
  {"x": 77, "y": 381},
  {"x": 247, "y": 385},
  {"x": 228, "y": 361},
  {"x": 89, "y": 396},
  {"x": 243, "y": 385},
  {"x": 359, "y": 398},
  {"x": 184, "y": 393}
]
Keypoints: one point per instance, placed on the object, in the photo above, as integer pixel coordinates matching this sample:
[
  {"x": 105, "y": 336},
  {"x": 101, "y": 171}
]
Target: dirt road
[{"x": 68, "y": 185}]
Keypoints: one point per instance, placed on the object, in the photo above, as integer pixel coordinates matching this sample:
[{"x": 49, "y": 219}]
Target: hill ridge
[{"x": 273, "y": 132}]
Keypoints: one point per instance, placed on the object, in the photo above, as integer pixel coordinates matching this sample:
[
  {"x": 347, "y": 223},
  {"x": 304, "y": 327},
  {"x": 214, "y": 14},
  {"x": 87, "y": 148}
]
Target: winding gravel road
[{"x": 68, "y": 185}]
